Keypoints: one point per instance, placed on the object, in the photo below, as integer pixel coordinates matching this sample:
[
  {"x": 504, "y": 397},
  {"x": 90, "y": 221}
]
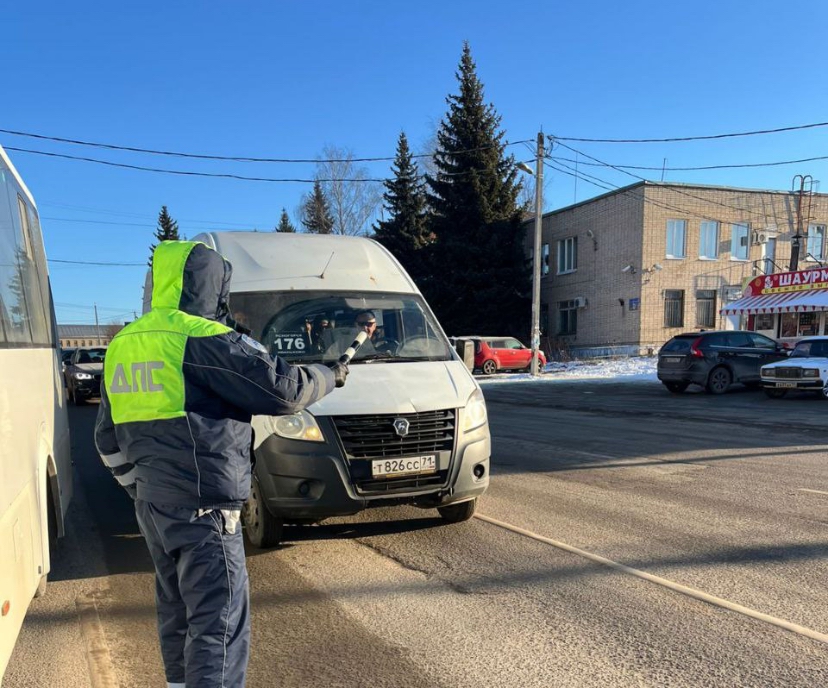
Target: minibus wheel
[
  {"x": 457, "y": 513},
  {"x": 263, "y": 528}
]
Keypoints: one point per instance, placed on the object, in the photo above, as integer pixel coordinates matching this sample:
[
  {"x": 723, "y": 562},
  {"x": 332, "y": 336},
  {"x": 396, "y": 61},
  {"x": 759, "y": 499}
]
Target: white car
[{"x": 805, "y": 369}]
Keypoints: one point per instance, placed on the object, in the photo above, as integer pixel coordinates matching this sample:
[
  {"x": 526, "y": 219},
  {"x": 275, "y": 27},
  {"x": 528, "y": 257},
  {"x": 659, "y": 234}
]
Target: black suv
[{"x": 715, "y": 360}]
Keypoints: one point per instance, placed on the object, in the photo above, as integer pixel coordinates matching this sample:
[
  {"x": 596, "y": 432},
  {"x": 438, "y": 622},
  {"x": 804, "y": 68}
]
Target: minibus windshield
[{"x": 317, "y": 327}]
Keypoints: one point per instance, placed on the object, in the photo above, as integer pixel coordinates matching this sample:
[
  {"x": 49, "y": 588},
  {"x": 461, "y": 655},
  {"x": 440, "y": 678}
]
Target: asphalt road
[{"x": 727, "y": 496}]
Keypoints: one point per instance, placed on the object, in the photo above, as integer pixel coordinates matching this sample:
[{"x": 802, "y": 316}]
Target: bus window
[
  {"x": 13, "y": 311},
  {"x": 29, "y": 278}
]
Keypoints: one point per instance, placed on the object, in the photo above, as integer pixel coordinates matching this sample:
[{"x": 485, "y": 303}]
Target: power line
[
  {"x": 696, "y": 138},
  {"x": 216, "y": 175},
  {"x": 153, "y": 220},
  {"x": 88, "y": 262},
  {"x": 185, "y": 173},
  {"x": 231, "y": 158},
  {"x": 675, "y": 189},
  {"x": 691, "y": 169}
]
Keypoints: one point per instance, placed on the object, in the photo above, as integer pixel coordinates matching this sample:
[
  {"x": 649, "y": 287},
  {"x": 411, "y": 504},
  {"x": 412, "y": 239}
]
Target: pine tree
[
  {"x": 316, "y": 213},
  {"x": 406, "y": 232},
  {"x": 480, "y": 275},
  {"x": 285, "y": 225},
  {"x": 167, "y": 230}
]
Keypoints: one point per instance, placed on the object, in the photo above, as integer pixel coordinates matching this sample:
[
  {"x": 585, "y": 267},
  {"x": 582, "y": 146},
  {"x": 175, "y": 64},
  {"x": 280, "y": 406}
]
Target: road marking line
[
  {"x": 101, "y": 673},
  {"x": 805, "y": 489},
  {"x": 676, "y": 587}
]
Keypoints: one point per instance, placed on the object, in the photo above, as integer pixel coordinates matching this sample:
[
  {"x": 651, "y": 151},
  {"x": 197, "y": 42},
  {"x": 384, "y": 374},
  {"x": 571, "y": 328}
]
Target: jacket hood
[{"x": 191, "y": 277}]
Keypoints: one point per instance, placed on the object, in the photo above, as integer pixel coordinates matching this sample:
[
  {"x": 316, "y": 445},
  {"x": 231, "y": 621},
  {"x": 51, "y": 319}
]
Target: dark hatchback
[{"x": 715, "y": 360}]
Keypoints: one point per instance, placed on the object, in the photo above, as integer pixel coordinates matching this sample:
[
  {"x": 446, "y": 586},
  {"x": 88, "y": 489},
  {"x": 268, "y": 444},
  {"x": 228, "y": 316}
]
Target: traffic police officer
[{"x": 173, "y": 426}]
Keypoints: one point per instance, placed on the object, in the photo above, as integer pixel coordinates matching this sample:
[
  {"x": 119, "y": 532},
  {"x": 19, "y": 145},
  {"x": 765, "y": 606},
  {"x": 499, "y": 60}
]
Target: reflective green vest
[{"x": 143, "y": 370}]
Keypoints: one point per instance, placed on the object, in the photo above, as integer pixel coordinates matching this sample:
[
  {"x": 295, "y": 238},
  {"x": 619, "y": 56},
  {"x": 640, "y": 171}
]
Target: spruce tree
[
  {"x": 480, "y": 275},
  {"x": 406, "y": 232},
  {"x": 285, "y": 225},
  {"x": 167, "y": 230},
  {"x": 316, "y": 213}
]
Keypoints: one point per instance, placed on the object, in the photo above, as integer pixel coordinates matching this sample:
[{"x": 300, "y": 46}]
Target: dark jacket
[{"x": 180, "y": 387}]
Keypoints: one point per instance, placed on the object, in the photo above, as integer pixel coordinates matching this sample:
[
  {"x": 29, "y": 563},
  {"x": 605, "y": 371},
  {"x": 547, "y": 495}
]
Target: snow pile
[{"x": 621, "y": 369}]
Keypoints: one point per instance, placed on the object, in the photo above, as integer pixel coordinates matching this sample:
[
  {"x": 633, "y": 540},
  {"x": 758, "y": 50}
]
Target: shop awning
[{"x": 786, "y": 302}]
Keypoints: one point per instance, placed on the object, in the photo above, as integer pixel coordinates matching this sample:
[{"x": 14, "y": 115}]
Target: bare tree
[{"x": 354, "y": 201}]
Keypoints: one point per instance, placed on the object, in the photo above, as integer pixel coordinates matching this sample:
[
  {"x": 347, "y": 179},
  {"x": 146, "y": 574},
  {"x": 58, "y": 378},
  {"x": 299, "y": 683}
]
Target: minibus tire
[
  {"x": 263, "y": 529},
  {"x": 457, "y": 513}
]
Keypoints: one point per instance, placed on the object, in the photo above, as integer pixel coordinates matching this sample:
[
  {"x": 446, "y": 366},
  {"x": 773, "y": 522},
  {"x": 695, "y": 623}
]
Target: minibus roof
[{"x": 274, "y": 261}]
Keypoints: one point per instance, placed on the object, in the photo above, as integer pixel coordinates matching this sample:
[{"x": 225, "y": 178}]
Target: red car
[{"x": 493, "y": 354}]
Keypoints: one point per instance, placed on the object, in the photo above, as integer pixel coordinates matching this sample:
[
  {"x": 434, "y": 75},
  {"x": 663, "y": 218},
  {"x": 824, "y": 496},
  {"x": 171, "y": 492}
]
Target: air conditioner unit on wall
[
  {"x": 580, "y": 302},
  {"x": 760, "y": 237}
]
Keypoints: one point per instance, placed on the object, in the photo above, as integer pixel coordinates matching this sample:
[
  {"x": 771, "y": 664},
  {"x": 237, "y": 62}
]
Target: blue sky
[{"x": 283, "y": 79}]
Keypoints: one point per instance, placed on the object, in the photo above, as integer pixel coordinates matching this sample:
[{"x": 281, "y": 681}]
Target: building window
[
  {"x": 674, "y": 308},
  {"x": 816, "y": 242},
  {"x": 567, "y": 255},
  {"x": 545, "y": 260},
  {"x": 709, "y": 240},
  {"x": 706, "y": 308},
  {"x": 676, "y": 233},
  {"x": 739, "y": 241},
  {"x": 567, "y": 317},
  {"x": 764, "y": 321}
]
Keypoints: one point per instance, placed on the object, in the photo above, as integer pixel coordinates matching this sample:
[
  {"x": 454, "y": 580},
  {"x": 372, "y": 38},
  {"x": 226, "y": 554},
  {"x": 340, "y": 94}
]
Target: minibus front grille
[{"x": 375, "y": 436}]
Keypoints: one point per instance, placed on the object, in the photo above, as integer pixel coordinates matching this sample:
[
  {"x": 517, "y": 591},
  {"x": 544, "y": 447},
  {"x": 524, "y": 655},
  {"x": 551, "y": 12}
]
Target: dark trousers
[{"x": 201, "y": 593}]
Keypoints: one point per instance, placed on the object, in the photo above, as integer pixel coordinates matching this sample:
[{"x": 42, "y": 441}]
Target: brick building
[
  {"x": 625, "y": 271},
  {"x": 73, "y": 336}
]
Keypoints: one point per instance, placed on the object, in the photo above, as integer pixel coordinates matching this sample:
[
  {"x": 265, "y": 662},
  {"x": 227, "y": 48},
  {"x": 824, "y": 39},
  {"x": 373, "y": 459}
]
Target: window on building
[
  {"x": 676, "y": 235},
  {"x": 709, "y": 240},
  {"x": 763, "y": 321},
  {"x": 739, "y": 241},
  {"x": 788, "y": 324},
  {"x": 706, "y": 308},
  {"x": 816, "y": 241},
  {"x": 567, "y": 255},
  {"x": 674, "y": 308},
  {"x": 545, "y": 260},
  {"x": 567, "y": 317}
]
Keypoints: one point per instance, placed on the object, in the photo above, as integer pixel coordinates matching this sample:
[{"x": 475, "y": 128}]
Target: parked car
[
  {"x": 83, "y": 374},
  {"x": 806, "y": 369},
  {"x": 495, "y": 354},
  {"x": 65, "y": 357},
  {"x": 715, "y": 360}
]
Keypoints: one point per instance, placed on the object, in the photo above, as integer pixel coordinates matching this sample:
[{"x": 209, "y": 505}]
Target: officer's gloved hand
[{"x": 340, "y": 371}]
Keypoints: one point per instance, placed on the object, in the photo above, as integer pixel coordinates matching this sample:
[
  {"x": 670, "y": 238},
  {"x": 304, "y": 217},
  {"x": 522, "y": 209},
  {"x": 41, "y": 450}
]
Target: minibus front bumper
[{"x": 310, "y": 481}]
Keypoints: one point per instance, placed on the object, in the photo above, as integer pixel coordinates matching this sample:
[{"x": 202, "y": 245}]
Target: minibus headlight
[
  {"x": 298, "y": 426},
  {"x": 474, "y": 414},
  {"x": 83, "y": 376}
]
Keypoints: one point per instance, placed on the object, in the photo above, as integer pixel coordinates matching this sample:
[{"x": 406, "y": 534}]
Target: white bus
[{"x": 35, "y": 463}]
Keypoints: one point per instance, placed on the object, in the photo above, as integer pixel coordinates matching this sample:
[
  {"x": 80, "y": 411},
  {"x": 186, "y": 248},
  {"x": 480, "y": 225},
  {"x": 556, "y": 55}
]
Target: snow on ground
[{"x": 609, "y": 370}]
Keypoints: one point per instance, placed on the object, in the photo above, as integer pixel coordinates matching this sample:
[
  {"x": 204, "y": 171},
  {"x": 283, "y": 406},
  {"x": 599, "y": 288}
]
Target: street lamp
[{"x": 536, "y": 256}]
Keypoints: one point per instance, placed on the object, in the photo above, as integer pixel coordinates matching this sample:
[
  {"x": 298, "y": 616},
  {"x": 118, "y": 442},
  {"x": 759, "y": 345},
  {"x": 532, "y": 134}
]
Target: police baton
[{"x": 345, "y": 358}]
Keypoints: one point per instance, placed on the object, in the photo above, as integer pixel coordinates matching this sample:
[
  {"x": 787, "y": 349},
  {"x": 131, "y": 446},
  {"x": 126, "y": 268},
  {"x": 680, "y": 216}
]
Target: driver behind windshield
[{"x": 366, "y": 321}]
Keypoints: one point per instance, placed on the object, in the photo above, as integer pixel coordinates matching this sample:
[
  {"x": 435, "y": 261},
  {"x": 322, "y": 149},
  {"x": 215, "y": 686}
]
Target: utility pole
[
  {"x": 536, "y": 254},
  {"x": 796, "y": 241},
  {"x": 536, "y": 277},
  {"x": 97, "y": 327}
]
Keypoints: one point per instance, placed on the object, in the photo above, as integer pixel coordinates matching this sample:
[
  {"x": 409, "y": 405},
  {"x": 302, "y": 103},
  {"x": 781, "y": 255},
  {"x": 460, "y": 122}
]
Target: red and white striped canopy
[{"x": 786, "y": 302}]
